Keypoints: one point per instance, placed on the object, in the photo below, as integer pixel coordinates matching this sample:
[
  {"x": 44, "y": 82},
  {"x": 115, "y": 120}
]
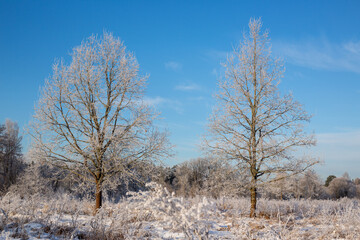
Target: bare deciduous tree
[
  {"x": 91, "y": 119},
  {"x": 11, "y": 163},
  {"x": 253, "y": 125},
  {"x": 342, "y": 187}
]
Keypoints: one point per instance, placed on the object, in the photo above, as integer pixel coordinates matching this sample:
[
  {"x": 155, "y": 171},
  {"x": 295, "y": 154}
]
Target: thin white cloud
[
  {"x": 175, "y": 66},
  {"x": 321, "y": 54},
  {"x": 198, "y": 98},
  {"x": 353, "y": 47},
  {"x": 160, "y": 102},
  {"x": 340, "y": 151},
  {"x": 341, "y": 139},
  {"x": 188, "y": 87},
  {"x": 153, "y": 101},
  {"x": 217, "y": 55}
]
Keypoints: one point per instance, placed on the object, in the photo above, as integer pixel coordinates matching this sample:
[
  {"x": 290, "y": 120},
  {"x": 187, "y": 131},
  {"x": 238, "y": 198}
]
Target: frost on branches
[
  {"x": 254, "y": 127},
  {"x": 91, "y": 119}
]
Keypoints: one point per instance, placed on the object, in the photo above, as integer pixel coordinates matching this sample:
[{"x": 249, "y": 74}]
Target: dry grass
[{"x": 151, "y": 215}]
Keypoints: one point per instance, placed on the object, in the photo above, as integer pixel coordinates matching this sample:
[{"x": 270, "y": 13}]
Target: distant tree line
[
  {"x": 202, "y": 176},
  {"x": 11, "y": 160},
  {"x": 40, "y": 177},
  {"x": 213, "y": 178}
]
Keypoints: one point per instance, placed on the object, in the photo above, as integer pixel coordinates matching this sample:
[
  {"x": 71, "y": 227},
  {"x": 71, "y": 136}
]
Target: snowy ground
[{"x": 157, "y": 214}]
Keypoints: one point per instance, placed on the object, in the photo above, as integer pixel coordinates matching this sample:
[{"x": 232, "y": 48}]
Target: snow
[{"x": 158, "y": 214}]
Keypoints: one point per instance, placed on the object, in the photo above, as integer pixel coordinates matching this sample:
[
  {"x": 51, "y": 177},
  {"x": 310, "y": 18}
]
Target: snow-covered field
[{"x": 157, "y": 214}]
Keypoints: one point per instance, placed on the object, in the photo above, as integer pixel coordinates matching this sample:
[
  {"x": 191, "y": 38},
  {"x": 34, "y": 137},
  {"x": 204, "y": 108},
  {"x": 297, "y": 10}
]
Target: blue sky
[{"x": 180, "y": 44}]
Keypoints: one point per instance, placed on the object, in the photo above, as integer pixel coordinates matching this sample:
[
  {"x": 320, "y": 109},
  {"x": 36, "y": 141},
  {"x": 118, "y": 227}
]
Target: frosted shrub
[
  {"x": 175, "y": 213},
  {"x": 157, "y": 214}
]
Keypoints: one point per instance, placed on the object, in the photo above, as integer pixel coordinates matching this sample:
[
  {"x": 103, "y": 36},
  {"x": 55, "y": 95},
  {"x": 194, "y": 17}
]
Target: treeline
[
  {"x": 37, "y": 176},
  {"x": 215, "y": 178},
  {"x": 11, "y": 159},
  {"x": 203, "y": 176}
]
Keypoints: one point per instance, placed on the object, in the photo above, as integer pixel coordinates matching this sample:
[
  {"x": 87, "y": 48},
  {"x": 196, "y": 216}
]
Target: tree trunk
[
  {"x": 253, "y": 192},
  {"x": 98, "y": 197}
]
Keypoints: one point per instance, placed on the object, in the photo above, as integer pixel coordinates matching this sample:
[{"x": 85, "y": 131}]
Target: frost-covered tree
[
  {"x": 38, "y": 178},
  {"x": 357, "y": 181},
  {"x": 225, "y": 180},
  {"x": 91, "y": 119},
  {"x": 342, "y": 187},
  {"x": 307, "y": 185},
  {"x": 11, "y": 163},
  {"x": 281, "y": 189},
  {"x": 191, "y": 176},
  {"x": 310, "y": 186},
  {"x": 346, "y": 175},
  {"x": 254, "y": 126},
  {"x": 204, "y": 176}
]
